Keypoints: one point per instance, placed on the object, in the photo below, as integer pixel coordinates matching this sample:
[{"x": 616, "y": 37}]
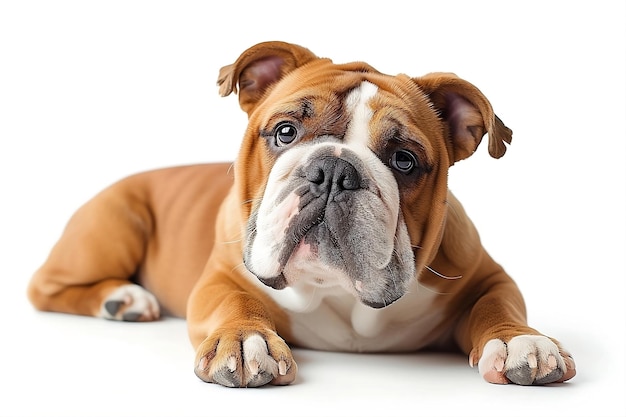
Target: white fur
[
  {"x": 273, "y": 221},
  {"x": 357, "y": 105},
  {"x": 493, "y": 357},
  {"x": 256, "y": 357},
  {"x": 341, "y": 322},
  {"x": 332, "y": 318},
  {"x": 136, "y": 299}
]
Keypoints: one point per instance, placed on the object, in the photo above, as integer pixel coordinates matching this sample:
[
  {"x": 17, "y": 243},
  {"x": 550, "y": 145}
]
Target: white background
[{"x": 93, "y": 91}]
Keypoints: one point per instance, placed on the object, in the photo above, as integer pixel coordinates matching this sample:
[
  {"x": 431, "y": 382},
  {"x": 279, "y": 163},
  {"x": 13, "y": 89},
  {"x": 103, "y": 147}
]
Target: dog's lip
[
  {"x": 277, "y": 282},
  {"x": 380, "y": 304},
  {"x": 300, "y": 251},
  {"x": 298, "y": 240}
]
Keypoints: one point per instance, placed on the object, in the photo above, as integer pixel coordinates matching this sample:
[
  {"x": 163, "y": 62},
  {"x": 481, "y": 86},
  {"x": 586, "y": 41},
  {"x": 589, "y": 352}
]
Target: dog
[{"x": 333, "y": 229}]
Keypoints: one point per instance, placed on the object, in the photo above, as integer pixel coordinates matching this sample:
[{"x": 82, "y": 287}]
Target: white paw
[
  {"x": 525, "y": 360},
  {"x": 130, "y": 303}
]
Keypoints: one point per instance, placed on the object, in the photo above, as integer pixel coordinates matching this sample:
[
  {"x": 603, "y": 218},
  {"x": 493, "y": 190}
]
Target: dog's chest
[{"x": 332, "y": 319}]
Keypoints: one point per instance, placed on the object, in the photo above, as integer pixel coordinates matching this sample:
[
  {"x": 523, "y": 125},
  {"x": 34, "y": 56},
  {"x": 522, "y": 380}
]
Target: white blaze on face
[{"x": 356, "y": 103}]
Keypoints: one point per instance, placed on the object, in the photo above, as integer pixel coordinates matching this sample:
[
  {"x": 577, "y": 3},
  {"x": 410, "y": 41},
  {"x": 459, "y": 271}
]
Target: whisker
[
  {"x": 310, "y": 302},
  {"x": 251, "y": 201},
  {"x": 238, "y": 266},
  {"x": 394, "y": 280},
  {"x": 440, "y": 275},
  {"x": 230, "y": 242},
  {"x": 432, "y": 290}
]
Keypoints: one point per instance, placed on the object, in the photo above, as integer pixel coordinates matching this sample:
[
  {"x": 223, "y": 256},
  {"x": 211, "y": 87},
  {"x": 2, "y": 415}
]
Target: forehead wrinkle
[
  {"x": 332, "y": 119},
  {"x": 401, "y": 113},
  {"x": 320, "y": 114}
]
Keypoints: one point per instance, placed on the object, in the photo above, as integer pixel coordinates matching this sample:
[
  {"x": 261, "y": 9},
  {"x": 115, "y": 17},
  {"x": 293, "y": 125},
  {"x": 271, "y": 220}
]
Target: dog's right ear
[{"x": 258, "y": 68}]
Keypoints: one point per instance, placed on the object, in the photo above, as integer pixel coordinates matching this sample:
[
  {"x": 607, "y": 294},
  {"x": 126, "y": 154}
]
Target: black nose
[{"x": 331, "y": 174}]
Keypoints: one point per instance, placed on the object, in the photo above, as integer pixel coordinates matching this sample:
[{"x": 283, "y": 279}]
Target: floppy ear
[
  {"x": 468, "y": 114},
  {"x": 258, "y": 68}
]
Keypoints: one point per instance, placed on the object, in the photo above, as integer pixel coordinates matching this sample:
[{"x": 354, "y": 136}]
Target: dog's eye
[
  {"x": 403, "y": 161},
  {"x": 285, "y": 133}
]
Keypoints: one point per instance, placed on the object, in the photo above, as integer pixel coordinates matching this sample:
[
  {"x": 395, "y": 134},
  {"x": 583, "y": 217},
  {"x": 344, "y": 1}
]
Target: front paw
[
  {"x": 238, "y": 358},
  {"x": 525, "y": 360}
]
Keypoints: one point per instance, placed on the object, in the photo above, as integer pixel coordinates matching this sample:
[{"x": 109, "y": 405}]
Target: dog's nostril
[
  {"x": 348, "y": 182},
  {"x": 315, "y": 175}
]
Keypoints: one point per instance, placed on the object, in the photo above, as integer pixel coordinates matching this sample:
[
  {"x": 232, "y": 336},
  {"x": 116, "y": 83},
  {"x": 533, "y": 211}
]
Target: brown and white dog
[{"x": 334, "y": 229}]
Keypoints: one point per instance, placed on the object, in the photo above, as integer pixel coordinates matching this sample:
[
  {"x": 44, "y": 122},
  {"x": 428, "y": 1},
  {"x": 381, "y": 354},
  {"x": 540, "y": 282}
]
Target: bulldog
[{"x": 333, "y": 229}]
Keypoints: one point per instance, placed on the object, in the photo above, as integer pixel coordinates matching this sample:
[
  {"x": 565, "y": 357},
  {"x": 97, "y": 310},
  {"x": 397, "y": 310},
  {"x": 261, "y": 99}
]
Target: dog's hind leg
[{"x": 89, "y": 270}]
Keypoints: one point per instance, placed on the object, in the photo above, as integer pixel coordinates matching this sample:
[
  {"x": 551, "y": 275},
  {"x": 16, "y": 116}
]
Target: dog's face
[
  {"x": 346, "y": 155},
  {"x": 351, "y": 183}
]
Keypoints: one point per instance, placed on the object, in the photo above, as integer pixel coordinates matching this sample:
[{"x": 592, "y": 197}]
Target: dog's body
[{"x": 334, "y": 229}]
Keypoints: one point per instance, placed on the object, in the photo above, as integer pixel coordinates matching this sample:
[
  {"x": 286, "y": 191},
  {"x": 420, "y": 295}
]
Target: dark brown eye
[
  {"x": 403, "y": 161},
  {"x": 285, "y": 133}
]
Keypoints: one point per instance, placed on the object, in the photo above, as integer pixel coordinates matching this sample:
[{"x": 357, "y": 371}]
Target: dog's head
[{"x": 342, "y": 174}]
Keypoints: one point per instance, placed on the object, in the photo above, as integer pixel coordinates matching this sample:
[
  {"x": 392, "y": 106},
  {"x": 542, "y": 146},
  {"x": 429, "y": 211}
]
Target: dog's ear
[
  {"x": 468, "y": 114},
  {"x": 258, "y": 68}
]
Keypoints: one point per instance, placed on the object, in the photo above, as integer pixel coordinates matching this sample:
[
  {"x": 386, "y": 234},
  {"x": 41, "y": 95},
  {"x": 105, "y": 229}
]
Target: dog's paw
[
  {"x": 525, "y": 360},
  {"x": 130, "y": 303},
  {"x": 236, "y": 358}
]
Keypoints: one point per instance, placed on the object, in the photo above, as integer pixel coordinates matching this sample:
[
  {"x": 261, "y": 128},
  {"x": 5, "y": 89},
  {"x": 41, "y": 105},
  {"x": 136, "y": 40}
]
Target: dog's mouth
[{"x": 301, "y": 258}]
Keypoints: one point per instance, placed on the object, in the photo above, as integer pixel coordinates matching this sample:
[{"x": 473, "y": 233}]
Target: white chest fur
[{"x": 329, "y": 318}]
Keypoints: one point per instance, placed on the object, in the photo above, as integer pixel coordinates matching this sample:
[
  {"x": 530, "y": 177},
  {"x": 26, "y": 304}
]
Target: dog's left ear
[
  {"x": 468, "y": 114},
  {"x": 258, "y": 68}
]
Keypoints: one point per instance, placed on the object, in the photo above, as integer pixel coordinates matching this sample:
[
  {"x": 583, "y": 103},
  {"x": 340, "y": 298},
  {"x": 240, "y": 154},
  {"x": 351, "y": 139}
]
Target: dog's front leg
[
  {"x": 234, "y": 332},
  {"x": 499, "y": 341}
]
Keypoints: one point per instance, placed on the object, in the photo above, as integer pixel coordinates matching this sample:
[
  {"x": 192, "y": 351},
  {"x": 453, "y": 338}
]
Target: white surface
[{"x": 93, "y": 91}]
